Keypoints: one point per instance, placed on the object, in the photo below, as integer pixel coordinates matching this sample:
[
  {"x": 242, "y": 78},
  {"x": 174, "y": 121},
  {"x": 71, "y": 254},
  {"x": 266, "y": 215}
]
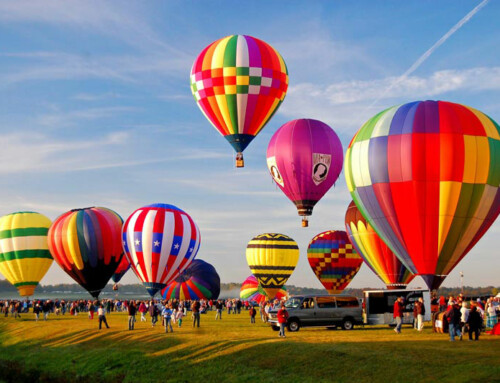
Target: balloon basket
[
  {"x": 305, "y": 222},
  {"x": 115, "y": 287},
  {"x": 240, "y": 163}
]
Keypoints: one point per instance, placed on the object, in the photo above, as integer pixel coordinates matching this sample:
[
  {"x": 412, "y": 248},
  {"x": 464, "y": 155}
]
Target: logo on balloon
[
  {"x": 321, "y": 165},
  {"x": 273, "y": 168}
]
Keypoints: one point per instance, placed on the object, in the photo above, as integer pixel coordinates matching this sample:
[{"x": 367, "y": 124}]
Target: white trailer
[{"x": 378, "y": 305}]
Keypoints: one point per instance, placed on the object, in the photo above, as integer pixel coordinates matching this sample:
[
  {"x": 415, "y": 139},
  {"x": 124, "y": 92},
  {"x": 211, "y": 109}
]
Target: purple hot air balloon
[{"x": 305, "y": 159}]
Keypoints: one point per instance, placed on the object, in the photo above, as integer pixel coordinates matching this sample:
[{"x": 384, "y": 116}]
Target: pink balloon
[{"x": 305, "y": 159}]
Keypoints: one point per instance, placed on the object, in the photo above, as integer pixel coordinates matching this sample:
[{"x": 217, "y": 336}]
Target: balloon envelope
[
  {"x": 426, "y": 176},
  {"x": 86, "y": 243},
  {"x": 24, "y": 253},
  {"x": 376, "y": 254},
  {"x": 238, "y": 83},
  {"x": 160, "y": 241},
  {"x": 272, "y": 259},
  {"x": 199, "y": 281},
  {"x": 334, "y": 260},
  {"x": 305, "y": 159},
  {"x": 252, "y": 291},
  {"x": 122, "y": 268}
]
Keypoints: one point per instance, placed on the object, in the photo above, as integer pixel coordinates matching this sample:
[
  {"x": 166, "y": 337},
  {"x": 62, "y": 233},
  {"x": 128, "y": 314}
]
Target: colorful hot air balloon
[
  {"x": 160, "y": 241},
  {"x": 272, "y": 259},
  {"x": 238, "y": 83},
  {"x": 376, "y": 254},
  {"x": 199, "y": 281},
  {"x": 86, "y": 243},
  {"x": 426, "y": 177},
  {"x": 305, "y": 159},
  {"x": 252, "y": 291},
  {"x": 334, "y": 260},
  {"x": 121, "y": 270},
  {"x": 24, "y": 255}
]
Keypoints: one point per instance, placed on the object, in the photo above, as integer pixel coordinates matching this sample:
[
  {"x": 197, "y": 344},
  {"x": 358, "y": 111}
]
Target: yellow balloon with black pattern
[{"x": 272, "y": 259}]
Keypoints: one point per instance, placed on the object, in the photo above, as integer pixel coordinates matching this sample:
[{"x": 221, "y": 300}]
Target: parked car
[{"x": 320, "y": 310}]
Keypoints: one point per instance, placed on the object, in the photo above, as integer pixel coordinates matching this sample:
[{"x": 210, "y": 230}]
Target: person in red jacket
[
  {"x": 398, "y": 314},
  {"x": 282, "y": 319}
]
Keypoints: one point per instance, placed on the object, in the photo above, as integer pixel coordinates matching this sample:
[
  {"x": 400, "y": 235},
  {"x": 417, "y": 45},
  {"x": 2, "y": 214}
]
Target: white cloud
[{"x": 347, "y": 104}]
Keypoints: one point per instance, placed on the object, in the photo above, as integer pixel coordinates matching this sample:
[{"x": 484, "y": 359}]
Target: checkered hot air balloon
[
  {"x": 426, "y": 176},
  {"x": 376, "y": 254},
  {"x": 272, "y": 259},
  {"x": 252, "y": 291},
  {"x": 199, "y": 281},
  {"x": 160, "y": 241},
  {"x": 86, "y": 243},
  {"x": 24, "y": 253},
  {"x": 334, "y": 260},
  {"x": 238, "y": 83},
  {"x": 305, "y": 159}
]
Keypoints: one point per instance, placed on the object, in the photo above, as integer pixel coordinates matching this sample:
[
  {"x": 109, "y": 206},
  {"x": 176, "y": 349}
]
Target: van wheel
[
  {"x": 275, "y": 328},
  {"x": 347, "y": 324},
  {"x": 293, "y": 326}
]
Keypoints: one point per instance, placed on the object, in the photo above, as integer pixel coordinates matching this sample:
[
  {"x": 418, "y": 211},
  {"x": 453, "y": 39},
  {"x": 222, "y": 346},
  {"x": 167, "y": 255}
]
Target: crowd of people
[{"x": 462, "y": 315}]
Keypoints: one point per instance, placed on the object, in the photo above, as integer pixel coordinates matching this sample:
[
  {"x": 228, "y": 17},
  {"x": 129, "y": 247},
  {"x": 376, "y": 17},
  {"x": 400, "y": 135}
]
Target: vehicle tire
[
  {"x": 275, "y": 328},
  {"x": 293, "y": 325},
  {"x": 347, "y": 324}
]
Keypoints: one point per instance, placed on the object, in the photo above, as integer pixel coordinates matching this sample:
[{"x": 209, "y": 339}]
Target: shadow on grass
[{"x": 142, "y": 356}]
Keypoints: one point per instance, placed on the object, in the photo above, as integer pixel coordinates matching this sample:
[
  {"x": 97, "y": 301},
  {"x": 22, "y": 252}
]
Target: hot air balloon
[
  {"x": 252, "y": 291},
  {"x": 86, "y": 243},
  {"x": 305, "y": 159},
  {"x": 160, "y": 241},
  {"x": 122, "y": 268},
  {"x": 334, "y": 260},
  {"x": 198, "y": 281},
  {"x": 426, "y": 177},
  {"x": 376, "y": 254},
  {"x": 272, "y": 259},
  {"x": 238, "y": 83},
  {"x": 24, "y": 255}
]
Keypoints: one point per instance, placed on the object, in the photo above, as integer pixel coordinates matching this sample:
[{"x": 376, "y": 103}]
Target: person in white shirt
[
  {"x": 465, "y": 315},
  {"x": 102, "y": 316}
]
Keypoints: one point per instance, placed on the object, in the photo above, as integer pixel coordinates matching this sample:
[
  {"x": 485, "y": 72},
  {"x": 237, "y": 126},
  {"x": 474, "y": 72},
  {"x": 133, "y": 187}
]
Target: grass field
[{"x": 72, "y": 349}]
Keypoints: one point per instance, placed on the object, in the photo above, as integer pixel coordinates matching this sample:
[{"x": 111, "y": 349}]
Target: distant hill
[{"x": 232, "y": 290}]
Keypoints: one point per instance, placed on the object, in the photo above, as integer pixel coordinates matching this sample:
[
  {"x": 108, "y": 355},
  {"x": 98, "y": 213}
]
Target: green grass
[{"x": 72, "y": 349}]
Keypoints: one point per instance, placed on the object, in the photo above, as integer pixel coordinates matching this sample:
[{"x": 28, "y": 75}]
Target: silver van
[{"x": 320, "y": 310}]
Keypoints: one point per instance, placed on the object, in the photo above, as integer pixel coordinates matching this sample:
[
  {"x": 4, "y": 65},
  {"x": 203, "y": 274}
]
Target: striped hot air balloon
[
  {"x": 86, "y": 243},
  {"x": 238, "y": 83},
  {"x": 160, "y": 241},
  {"x": 272, "y": 259},
  {"x": 426, "y": 176},
  {"x": 252, "y": 291},
  {"x": 376, "y": 254},
  {"x": 24, "y": 254},
  {"x": 333, "y": 259},
  {"x": 199, "y": 281}
]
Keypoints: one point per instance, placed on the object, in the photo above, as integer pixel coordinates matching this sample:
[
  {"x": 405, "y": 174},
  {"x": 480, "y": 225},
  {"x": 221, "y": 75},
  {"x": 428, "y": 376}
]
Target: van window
[
  {"x": 347, "y": 302},
  {"x": 325, "y": 302},
  {"x": 308, "y": 303}
]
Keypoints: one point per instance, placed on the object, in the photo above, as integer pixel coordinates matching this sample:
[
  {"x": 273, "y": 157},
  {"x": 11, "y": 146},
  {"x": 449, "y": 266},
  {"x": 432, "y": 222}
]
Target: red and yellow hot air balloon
[
  {"x": 333, "y": 259},
  {"x": 376, "y": 254},
  {"x": 426, "y": 176},
  {"x": 239, "y": 82}
]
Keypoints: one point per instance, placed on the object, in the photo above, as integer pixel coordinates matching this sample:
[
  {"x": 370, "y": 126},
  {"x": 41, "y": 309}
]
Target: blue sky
[{"x": 96, "y": 110}]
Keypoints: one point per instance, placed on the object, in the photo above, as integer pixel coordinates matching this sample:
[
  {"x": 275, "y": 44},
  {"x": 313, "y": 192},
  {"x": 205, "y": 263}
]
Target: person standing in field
[
  {"x": 178, "y": 315},
  {"x": 153, "y": 312},
  {"x": 91, "y": 309},
  {"x": 101, "y": 312},
  {"x": 167, "y": 317},
  {"x": 252, "y": 313},
  {"x": 453, "y": 316},
  {"x": 132, "y": 308},
  {"x": 398, "y": 314},
  {"x": 475, "y": 322},
  {"x": 36, "y": 311},
  {"x": 420, "y": 314},
  {"x": 195, "y": 308},
  {"x": 282, "y": 319},
  {"x": 218, "y": 310},
  {"x": 142, "y": 310}
]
